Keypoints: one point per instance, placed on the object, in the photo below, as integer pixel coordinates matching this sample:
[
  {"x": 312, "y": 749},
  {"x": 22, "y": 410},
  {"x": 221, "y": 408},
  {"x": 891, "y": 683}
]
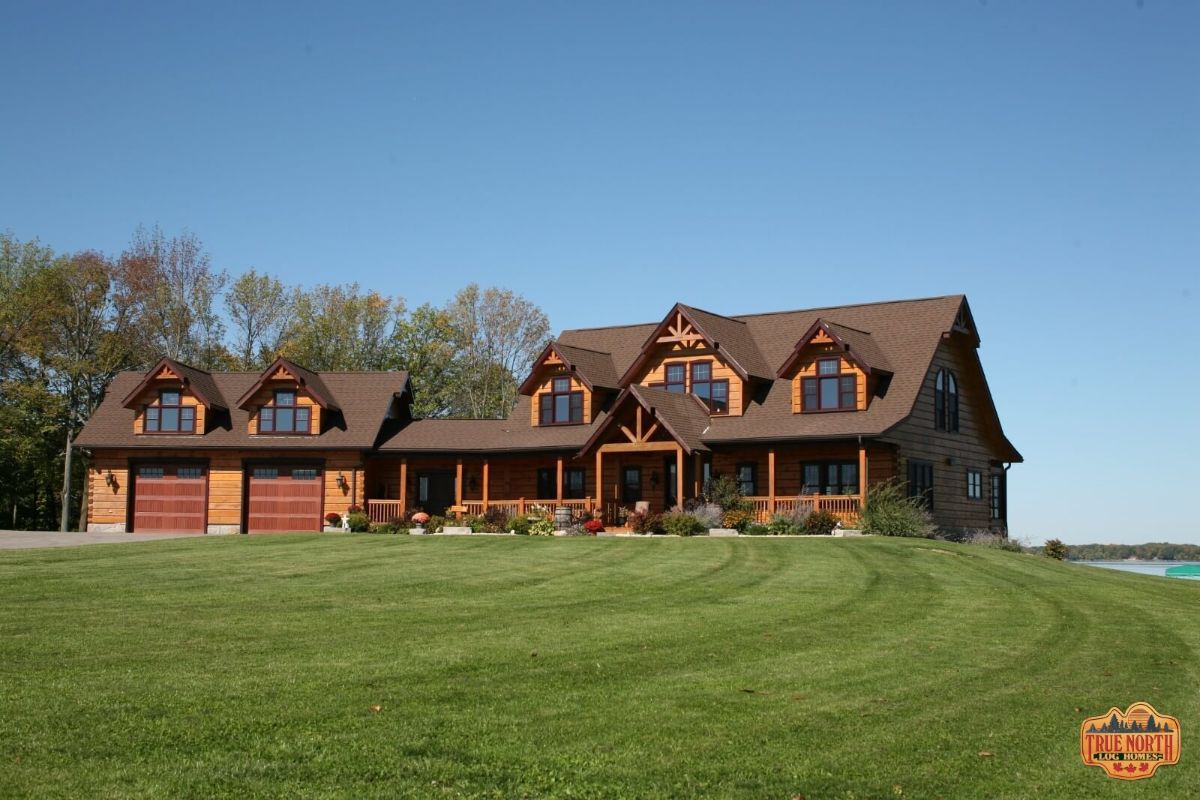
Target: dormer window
[
  {"x": 713, "y": 393},
  {"x": 675, "y": 378},
  {"x": 284, "y": 416},
  {"x": 170, "y": 415},
  {"x": 561, "y": 405},
  {"x": 830, "y": 390}
]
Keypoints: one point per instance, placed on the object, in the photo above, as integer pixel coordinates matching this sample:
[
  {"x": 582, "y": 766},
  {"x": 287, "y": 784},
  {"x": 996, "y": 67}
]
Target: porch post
[
  {"x": 862, "y": 475},
  {"x": 558, "y": 478},
  {"x": 600, "y": 480},
  {"x": 403, "y": 485},
  {"x": 771, "y": 480},
  {"x": 485, "y": 484},
  {"x": 458, "y": 481},
  {"x": 679, "y": 476},
  {"x": 697, "y": 474}
]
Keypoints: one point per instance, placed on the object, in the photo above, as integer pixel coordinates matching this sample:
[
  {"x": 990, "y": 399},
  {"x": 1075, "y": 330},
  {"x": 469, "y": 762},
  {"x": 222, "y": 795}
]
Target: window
[
  {"x": 830, "y": 390},
  {"x": 189, "y": 472},
  {"x": 269, "y": 473},
  {"x": 169, "y": 415},
  {"x": 945, "y": 401},
  {"x": 713, "y": 393},
  {"x": 284, "y": 416},
  {"x": 574, "y": 483},
  {"x": 675, "y": 375},
  {"x": 746, "y": 474},
  {"x": 996, "y": 498},
  {"x": 920, "y": 481},
  {"x": 974, "y": 484},
  {"x": 829, "y": 477},
  {"x": 631, "y": 485},
  {"x": 150, "y": 472},
  {"x": 561, "y": 406},
  {"x": 304, "y": 474},
  {"x": 545, "y": 484}
]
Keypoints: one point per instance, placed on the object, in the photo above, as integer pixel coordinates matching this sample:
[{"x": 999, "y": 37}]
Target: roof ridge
[
  {"x": 585, "y": 349},
  {"x": 741, "y": 317},
  {"x": 713, "y": 313},
  {"x": 844, "y": 325}
]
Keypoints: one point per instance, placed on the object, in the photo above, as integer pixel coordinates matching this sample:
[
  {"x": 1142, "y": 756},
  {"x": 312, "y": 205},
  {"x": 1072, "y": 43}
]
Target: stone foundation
[
  {"x": 223, "y": 530},
  {"x": 106, "y": 527}
]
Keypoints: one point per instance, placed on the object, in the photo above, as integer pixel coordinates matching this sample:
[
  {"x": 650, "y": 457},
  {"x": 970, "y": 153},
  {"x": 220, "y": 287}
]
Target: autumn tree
[
  {"x": 261, "y": 310},
  {"x": 343, "y": 328}
]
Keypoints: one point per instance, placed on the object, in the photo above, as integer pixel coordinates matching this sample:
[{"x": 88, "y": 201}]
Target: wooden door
[
  {"x": 284, "y": 498},
  {"x": 170, "y": 498},
  {"x": 435, "y": 492}
]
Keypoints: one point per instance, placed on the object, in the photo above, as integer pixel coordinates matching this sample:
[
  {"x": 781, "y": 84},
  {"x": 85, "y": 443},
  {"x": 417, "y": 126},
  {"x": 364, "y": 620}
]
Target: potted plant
[
  {"x": 333, "y": 521},
  {"x": 593, "y": 526},
  {"x": 418, "y": 520}
]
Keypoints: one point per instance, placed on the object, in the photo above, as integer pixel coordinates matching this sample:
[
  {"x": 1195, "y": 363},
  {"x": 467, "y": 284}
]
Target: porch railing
[
  {"x": 845, "y": 507},
  {"x": 381, "y": 511}
]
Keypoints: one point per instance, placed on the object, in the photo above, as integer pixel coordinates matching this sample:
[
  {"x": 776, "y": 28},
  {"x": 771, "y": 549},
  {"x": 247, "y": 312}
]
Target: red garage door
[
  {"x": 170, "y": 497},
  {"x": 284, "y": 498}
]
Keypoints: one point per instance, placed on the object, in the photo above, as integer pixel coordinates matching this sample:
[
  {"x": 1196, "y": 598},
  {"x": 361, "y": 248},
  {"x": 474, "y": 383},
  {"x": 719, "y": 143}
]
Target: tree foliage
[{"x": 70, "y": 322}]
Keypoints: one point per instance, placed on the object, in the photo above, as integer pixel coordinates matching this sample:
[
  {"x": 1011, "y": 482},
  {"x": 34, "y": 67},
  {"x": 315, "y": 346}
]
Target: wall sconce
[
  {"x": 341, "y": 481},
  {"x": 949, "y": 461},
  {"x": 654, "y": 479},
  {"x": 109, "y": 480}
]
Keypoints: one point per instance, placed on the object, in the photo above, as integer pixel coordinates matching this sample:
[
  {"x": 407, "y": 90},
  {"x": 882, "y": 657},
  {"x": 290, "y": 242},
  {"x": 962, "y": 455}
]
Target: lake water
[{"x": 1142, "y": 567}]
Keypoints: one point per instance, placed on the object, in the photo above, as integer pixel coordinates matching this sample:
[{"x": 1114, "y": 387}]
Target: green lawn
[{"x": 516, "y": 667}]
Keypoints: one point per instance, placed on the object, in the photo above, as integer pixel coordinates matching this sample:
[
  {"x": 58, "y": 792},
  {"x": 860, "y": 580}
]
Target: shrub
[
  {"x": 358, "y": 521},
  {"x": 518, "y": 525},
  {"x": 789, "y": 523},
  {"x": 384, "y": 527},
  {"x": 709, "y": 514},
  {"x": 986, "y": 538},
  {"x": 419, "y": 519},
  {"x": 643, "y": 522},
  {"x": 332, "y": 519},
  {"x": 820, "y": 523},
  {"x": 890, "y": 512},
  {"x": 593, "y": 526},
  {"x": 496, "y": 519},
  {"x": 354, "y": 509},
  {"x": 724, "y": 491},
  {"x": 756, "y": 530},
  {"x": 681, "y": 523},
  {"x": 476, "y": 524},
  {"x": 1055, "y": 548},
  {"x": 435, "y": 524},
  {"x": 541, "y": 527},
  {"x": 737, "y": 518}
]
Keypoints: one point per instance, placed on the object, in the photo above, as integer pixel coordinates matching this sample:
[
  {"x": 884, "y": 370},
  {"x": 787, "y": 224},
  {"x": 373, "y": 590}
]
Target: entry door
[
  {"x": 631, "y": 485},
  {"x": 435, "y": 492},
  {"x": 669, "y": 469}
]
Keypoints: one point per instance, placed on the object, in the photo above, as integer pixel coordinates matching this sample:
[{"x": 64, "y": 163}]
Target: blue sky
[{"x": 608, "y": 159}]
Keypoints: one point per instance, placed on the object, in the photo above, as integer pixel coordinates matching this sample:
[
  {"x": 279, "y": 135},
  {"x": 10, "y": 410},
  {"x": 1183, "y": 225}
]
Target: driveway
[{"x": 23, "y": 540}]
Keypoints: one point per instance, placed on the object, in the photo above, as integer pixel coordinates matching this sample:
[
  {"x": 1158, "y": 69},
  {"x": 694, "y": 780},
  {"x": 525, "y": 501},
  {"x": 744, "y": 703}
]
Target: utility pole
[{"x": 66, "y": 490}]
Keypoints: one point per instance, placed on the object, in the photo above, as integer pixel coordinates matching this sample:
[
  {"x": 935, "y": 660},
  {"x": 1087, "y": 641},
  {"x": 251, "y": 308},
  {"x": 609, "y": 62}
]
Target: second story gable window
[
  {"x": 561, "y": 405},
  {"x": 284, "y": 416},
  {"x": 945, "y": 401},
  {"x": 831, "y": 389},
  {"x": 675, "y": 378},
  {"x": 170, "y": 415},
  {"x": 712, "y": 392}
]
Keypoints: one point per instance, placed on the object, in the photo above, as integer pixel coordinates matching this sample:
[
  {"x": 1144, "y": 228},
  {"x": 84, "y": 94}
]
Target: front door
[
  {"x": 435, "y": 492},
  {"x": 669, "y": 469},
  {"x": 631, "y": 486}
]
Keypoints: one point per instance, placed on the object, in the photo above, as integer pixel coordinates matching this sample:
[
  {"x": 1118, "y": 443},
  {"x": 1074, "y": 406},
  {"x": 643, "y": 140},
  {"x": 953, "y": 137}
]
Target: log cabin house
[{"x": 800, "y": 407}]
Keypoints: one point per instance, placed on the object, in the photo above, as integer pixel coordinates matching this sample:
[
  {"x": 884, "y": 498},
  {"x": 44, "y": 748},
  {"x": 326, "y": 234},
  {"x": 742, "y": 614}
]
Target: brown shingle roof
[
  {"x": 308, "y": 379},
  {"x": 594, "y": 367},
  {"x": 199, "y": 382},
  {"x": 365, "y": 398},
  {"x": 490, "y": 435}
]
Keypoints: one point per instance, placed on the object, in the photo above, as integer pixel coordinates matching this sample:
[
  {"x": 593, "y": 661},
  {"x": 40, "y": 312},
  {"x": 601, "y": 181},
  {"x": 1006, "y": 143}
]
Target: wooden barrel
[{"x": 562, "y": 518}]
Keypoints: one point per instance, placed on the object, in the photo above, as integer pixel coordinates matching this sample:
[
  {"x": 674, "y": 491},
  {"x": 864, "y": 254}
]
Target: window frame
[
  {"x": 824, "y": 482},
  {"x": 946, "y": 401},
  {"x": 974, "y": 484},
  {"x": 920, "y": 481},
  {"x": 846, "y": 385},
  {"x": 753, "y": 481},
  {"x": 159, "y": 407},
  {"x": 996, "y": 496},
  {"x": 549, "y": 401},
  {"x": 625, "y": 485},
  {"x": 710, "y": 382},
  {"x": 667, "y": 383},
  {"x": 271, "y": 428}
]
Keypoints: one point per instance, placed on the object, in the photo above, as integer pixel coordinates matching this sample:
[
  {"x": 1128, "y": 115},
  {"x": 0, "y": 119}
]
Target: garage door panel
[
  {"x": 170, "y": 498},
  {"x": 284, "y": 499}
]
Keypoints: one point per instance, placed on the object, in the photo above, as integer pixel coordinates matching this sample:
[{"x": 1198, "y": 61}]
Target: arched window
[{"x": 945, "y": 401}]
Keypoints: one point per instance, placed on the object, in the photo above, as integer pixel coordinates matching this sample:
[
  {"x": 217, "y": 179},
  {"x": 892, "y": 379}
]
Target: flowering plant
[
  {"x": 420, "y": 518},
  {"x": 333, "y": 519},
  {"x": 593, "y": 526},
  {"x": 354, "y": 509}
]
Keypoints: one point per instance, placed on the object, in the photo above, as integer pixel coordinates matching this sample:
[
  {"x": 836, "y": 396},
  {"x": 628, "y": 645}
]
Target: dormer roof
[
  {"x": 309, "y": 381},
  {"x": 592, "y": 367},
  {"x": 682, "y": 416},
  {"x": 196, "y": 381},
  {"x": 856, "y": 345},
  {"x": 730, "y": 338}
]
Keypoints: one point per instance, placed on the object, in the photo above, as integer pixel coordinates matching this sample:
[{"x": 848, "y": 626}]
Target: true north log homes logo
[{"x": 1130, "y": 745}]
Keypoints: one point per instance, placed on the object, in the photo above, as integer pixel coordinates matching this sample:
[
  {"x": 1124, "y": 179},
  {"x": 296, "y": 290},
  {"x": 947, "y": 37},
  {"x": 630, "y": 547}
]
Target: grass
[{"x": 359, "y": 666}]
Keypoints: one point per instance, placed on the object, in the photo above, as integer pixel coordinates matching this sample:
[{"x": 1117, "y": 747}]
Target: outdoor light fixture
[
  {"x": 109, "y": 480},
  {"x": 341, "y": 481}
]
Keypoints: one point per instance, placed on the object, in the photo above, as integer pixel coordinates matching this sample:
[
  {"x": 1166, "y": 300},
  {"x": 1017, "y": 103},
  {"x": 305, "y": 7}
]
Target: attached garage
[
  {"x": 170, "y": 497},
  {"x": 284, "y": 497}
]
